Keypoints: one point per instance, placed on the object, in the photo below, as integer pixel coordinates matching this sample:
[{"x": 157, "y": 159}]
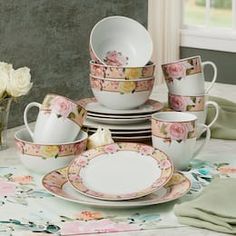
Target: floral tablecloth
[{"x": 26, "y": 208}]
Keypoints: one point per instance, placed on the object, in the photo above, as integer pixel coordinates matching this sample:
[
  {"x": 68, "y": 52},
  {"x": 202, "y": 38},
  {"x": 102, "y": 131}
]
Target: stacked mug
[
  {"x": 121, "y": 74},
  {"x": 176, "y": 132},
  {"x": 56, "y": 137}
]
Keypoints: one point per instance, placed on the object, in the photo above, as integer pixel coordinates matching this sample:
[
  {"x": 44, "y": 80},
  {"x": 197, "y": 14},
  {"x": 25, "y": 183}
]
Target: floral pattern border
[
  {"x": 51, "y": 151},
  {"x": 181, "y": 69},
  {"x": 64, "y": 108},
  {"x": 128, "y": 73},
  {"x": 174, "y": 131},
  {"x": 122, "y": 87},
  {"x": 186, "y": 103},
  {"x": 83, "y": 160},
  {"x": 176, "y": 187}
]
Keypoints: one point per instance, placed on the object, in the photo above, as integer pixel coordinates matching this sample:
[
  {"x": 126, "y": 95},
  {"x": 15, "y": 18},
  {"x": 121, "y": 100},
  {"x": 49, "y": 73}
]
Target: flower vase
[{"x": 4, "y": 113}]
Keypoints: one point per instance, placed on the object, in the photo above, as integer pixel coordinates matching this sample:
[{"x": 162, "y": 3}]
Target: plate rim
[
  {"x": 116, "y": 204},
  {"x": 85, "y": 101},
  {"x": 151, "y": 152}
]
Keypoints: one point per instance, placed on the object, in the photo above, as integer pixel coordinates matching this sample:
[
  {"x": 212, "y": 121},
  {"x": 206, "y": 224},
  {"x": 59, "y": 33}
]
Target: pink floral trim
[
  {"x": 174, "y": 131},
  {"x": 176, "y": 187},
  {"x": 64, "y": 108},
  {"x": 162, "y": 161},
  {"x": 186, "y": 103},
  {"x": 114, "y": 72},
  {"x": 50, "y": 151},
  {"x": 181, "y": 69},
  {"x": 115, "y": 58},
  {"x": 121, "y": 86}
]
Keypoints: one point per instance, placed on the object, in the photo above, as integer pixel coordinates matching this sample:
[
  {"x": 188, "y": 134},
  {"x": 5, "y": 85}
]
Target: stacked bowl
[{"x": 121, "y": 76}]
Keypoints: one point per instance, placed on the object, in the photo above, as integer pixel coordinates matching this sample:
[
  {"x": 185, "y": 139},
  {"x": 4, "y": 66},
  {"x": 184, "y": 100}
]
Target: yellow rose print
[
  {"x": 127, "y": 87},
  {"x": 133, "y": 73},
  {"x": 175, "y": 179},
  {"x": 49, "y": 151}
]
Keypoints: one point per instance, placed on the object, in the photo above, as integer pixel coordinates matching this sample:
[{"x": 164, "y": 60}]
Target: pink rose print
[
  {"x": 88, "y": 215},
  {"x": 96, "y": 83},
  {"x": 178, "y": 131},
  {"x": 96, "y": 226},
  {"x": 177, "y": 103},
  {"x": 20, "y": 146},
  {"x": 176, "y": 70},
  {"x": 146, "y": 150},
  {"x": 97, "y": 71},
  {"x": 227, "y": 170},
  {"x": 62, "y": 106},
  {"x": 79, "y": 147},
  {"x": 115, "y": 58},
  {"x": 165, "y": 164},
  {"x": 82, "y": 161},
  {"x": 24, "y": 179},
  {"x": 7, "y": 189},
  {"x": 111, "y": 148}
]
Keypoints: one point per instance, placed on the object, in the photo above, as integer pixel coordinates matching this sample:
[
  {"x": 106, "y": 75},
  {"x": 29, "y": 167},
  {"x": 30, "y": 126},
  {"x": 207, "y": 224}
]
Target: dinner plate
[
  {"x": 120, "y": 171},
  {"x": 91, "y": 105},
  {"x": 139, "y": 126},
  {"x": 120, "y": 116},
  {"x": 148, "y": 131},
  {"x": 57, "y": 184},
  {"x": 104, "y": 120}
]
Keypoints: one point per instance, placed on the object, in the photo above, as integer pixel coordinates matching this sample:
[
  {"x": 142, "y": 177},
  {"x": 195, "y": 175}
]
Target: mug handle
[
  {"x": 206, "y": 139},
  {"x": 214, "y": 76},
  {"x": 216, "y": 106},
  {"x": 28, "y": 107}
]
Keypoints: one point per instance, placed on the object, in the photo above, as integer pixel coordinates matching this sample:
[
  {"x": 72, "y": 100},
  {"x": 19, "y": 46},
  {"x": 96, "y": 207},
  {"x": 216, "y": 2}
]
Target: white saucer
[{"x": 91, "y": 105}]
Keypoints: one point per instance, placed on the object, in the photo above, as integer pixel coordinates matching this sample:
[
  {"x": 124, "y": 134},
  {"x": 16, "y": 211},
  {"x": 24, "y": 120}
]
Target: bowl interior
[
  {"x": 123, "y": 35},
  {"x": 24, "y": 136}
]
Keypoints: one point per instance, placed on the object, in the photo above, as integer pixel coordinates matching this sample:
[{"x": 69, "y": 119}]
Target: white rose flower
[
  {"x": 19, "y": 83},
  {"x": 5, "y": 71}
]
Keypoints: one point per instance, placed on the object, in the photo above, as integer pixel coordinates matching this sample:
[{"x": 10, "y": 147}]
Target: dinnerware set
[
  {"x": 127, "y": 173},
  {"x": 57, "y": 136}
]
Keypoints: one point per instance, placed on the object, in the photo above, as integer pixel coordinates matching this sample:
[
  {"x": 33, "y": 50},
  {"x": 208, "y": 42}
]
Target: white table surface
[{"x": 217, "y": 150}]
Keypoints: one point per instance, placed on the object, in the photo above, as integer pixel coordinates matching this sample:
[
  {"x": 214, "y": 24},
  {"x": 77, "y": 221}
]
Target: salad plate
[
  {"x": 56, "y": 183},
  {"x": 105, "y": 172},
  {"x": 117, "y": 120},
  {"x": 91, "y": 105},
  {"x": 119, "y": 116}
]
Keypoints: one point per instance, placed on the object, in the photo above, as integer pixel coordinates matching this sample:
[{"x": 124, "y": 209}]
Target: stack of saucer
[
  {"x": 125, "y": 125},
  {"x": 118, "y": 175}
]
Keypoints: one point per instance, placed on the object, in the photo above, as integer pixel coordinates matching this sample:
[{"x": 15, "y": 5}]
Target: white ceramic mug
[
  {"x": 175, "y": 133},
  {"x": 186, "y": 76},
  {"x": 196, "y": 105},
  {"x": 59, "y": 120}
]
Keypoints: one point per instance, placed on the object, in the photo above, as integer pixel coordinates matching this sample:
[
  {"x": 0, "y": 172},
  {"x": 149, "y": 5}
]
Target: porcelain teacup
[
  {"x": 59, "y": 120},
  {"x": 196, "y": 105},
  {"x": 175, "y": 133},
  {"x": 186, "y": 76}
]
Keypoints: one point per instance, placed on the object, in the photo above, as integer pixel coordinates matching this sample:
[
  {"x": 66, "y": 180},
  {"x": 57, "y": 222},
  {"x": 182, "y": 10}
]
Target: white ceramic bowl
[
  {"x": 120, "y": 41},
  {"x": 43, "y": 158},
  {"x": 121, "y": 94},
  {"x": 121, "y": 72}
]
